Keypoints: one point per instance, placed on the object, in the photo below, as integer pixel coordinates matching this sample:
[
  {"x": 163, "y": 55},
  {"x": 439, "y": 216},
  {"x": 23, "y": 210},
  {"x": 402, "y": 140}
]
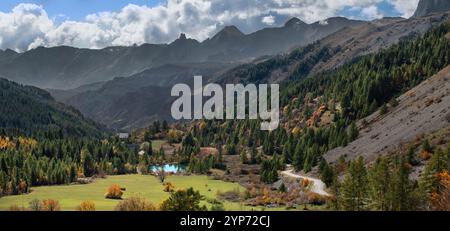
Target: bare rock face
[{"x": 427, "y": 7}]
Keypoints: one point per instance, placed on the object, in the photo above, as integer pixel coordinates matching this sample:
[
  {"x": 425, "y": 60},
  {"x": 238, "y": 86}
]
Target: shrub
[
  {"x": 50, "y": 205},
  {"x": 184, "y": 200},
  {"x": 216, "y": 205},
  {"x": 169, "y": 187},
  {"x": 22, "y": 187},
  {"x": 316, "y": 199},
  {"x": 233, "y": 195},
  {"x": 282, "y": 188},
  {"x": 393, "y": 102},
  {"x": 114, "y": 192},
  {"x": 135, "y": 204},
  {"x": 383, "y": 109},
  {"x": 425, "y": 155},
  {"x": 35, "y": 205},
  {"x": 86, "y": 206},
  {"x": 16, "y": 208}
]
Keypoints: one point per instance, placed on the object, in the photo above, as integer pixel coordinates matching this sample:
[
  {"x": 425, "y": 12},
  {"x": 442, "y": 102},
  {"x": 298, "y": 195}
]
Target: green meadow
[{"x": 148, "y": 187}]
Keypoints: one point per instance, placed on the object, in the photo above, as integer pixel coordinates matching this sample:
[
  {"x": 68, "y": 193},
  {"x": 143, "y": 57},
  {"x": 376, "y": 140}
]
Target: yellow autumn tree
[
  {"x": 86, "y": 206},
  {"x": 169, "y": 187},
  {"x": 50, "y": 205},
  {"x": 27, "y": 144},
  {"x": 441, "y": 198},
  {"x": 6, "y": 143}
]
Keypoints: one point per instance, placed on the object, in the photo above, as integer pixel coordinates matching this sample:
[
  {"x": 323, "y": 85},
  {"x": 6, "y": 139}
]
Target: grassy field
[
  {"x": 156, "y": 144},
  {"x": 148, "y": 187}
]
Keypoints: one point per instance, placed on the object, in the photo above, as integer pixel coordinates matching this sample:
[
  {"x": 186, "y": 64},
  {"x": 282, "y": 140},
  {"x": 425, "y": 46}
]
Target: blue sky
[
  {"x": 79, "y": 9},
  {"x": 76, "y": 9},
  {"x": 27, "y": 24}
]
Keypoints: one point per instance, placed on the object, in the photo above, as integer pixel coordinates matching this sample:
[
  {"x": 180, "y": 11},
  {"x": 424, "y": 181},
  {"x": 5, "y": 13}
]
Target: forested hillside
[
  {"x": 26, "y": 162},
  {"x": 348, "y": 93},
  {"x": 319, "y": 114},
  {"x": 43, "y": 142},
  {"x": 30, "y": 111}
]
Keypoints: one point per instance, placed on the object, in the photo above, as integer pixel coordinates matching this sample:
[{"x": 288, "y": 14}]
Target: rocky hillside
[
  {"x": 420, "y": 111},
  {"x": 334, "y": 50}
]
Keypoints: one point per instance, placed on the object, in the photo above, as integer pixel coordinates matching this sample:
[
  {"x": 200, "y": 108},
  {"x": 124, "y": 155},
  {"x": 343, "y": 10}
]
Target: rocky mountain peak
[
  {"x": 427, "y": 7},
  {"x": 182, "y": 36},
  {"x": 293, "y": 22}
]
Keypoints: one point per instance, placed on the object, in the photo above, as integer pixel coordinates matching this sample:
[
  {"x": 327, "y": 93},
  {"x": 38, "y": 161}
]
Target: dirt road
[{"x": 317, "y": 187}]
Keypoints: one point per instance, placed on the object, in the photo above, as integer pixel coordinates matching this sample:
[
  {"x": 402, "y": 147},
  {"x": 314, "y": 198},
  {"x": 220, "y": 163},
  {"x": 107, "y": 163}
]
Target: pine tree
[
  {"x": 353, "y": 131},
  {"x": 326, "y": 172},
  {"x": 87, "y": 162},
  {"x": 354, "y": 189},
  {"x": 402, "y": 187},
  {"x": 383, "y": 109},
  {"x": 437, "y": 164},
  {"x": 380, "y": 184}
]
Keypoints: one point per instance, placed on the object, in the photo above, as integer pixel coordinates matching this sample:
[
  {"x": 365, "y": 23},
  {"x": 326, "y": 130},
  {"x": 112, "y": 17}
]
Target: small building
[{"x": 123, "y": 136}]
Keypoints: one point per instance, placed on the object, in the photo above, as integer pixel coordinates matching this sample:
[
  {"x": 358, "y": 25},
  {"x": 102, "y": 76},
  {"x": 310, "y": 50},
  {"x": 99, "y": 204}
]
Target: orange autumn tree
[
  {"x": 50, "y": 205},
  {"x": 441, "y": 198},
  {"x": 114, "y": 192}
]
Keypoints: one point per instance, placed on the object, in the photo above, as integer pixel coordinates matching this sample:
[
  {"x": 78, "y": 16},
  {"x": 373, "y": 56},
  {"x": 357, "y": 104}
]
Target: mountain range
[
  {"x": 120, "y": 103},
  {"x": 68, "y": 67},
  {"x": 129, "y": 87}
]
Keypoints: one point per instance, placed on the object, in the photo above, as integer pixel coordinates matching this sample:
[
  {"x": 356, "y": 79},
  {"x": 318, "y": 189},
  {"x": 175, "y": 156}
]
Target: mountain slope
[
  {"x": 427, "y": 7},
  {"x": 136, "y": 101},
  {"x": 422, "y": 110},
  {"x": 28, "y": 111},
  {"x": 334, "y": 50},
  {"x": 68, "y": 67},
  {"x": 326, "y": 54}
]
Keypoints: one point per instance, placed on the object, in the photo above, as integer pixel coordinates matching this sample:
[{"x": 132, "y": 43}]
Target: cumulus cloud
[
  {"x": 23, "y": 25},
  {"x": 405, "y": 7},
  {"x": 28, "y": 26}
]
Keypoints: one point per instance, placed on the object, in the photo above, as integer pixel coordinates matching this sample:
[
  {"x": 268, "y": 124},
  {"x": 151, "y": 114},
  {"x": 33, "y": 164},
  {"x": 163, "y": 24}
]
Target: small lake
[{"x": 173, "y": 168}]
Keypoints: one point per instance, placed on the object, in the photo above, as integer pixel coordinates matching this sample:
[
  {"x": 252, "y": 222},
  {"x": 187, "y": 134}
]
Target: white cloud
[
  {"x": 28, "y": 26},
  {"x": 268, "y": 20},
  {"x": 405, "y": 7},
  {"x": 371, "y": 12},
  {"x": 23, "y": 25}
]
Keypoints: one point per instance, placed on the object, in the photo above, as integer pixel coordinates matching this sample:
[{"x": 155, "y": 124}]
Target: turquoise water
[{"x": 173, "y": 168}]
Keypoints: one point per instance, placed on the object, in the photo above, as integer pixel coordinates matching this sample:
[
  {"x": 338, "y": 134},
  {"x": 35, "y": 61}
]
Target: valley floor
[{"x": 147, "y": 187}]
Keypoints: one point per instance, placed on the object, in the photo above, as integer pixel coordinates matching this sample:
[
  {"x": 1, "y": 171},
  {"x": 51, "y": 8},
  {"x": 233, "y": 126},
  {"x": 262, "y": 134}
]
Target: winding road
[{"x": 317, "y": 187}]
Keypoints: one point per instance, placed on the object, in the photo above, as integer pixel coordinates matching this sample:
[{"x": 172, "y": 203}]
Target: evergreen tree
[
  {"x": 354, "y": 188},
  {"x": 402, "y": 191},
  {"x": 353, "y": 131},
  {"x": 87, "y": 162},
  {"x": 437, "y": 164}
]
